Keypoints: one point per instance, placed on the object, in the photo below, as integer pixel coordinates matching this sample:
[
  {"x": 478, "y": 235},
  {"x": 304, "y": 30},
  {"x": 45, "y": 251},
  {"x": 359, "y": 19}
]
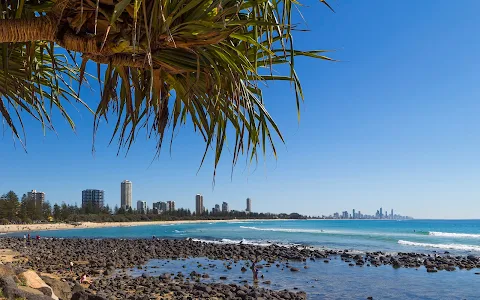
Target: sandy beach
[{"x": 62, "y": 226}]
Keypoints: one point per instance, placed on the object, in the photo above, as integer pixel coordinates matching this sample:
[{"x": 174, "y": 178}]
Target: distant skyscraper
[
  {"x": 381, "y": 213},
  {"x": 37, "y": 197},
  {"x": 93, "y": 198},
  {"x": 142, "y": 206},
  {"x": 216, "y": 209},
  {"x": 353, "y": 214},
  {"x": 224, "y": 207},
  {"x": 199, "y": 205},
  {"x": 391, "y": 214},
  {"x": 249, "y": 205},
  {"x": 170, "y": 205},
  {"x": 126, "y": 194}
]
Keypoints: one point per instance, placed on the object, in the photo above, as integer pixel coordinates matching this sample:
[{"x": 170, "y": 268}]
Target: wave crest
[
  {"x": 454, "y": 234},
  {"x": 229, "y": 241},
  {"x": 441, "y": 246},
  {"x": 284, "y": 229}
]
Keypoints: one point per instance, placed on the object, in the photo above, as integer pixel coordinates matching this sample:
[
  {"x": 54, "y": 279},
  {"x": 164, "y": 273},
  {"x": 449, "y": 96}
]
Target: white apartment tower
[
  {"x": 126, "y": 194},
  {"x": 37, "y": 197},
  {"x": 142, "y": 206},
  {"x": 198, "y": 205},
  {"x": 249, "y": 205}
]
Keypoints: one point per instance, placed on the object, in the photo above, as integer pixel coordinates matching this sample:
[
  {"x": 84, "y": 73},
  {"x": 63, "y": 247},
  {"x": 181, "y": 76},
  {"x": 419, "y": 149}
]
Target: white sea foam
[
  {"x": 455, "y": 234},
  {"x": 179, "y": 231},
  {"x": 441, "y": 246},
  {"x": 239, "y": 222},
  {"x": 287, "y": 229},
  {"x": 229, "y": 241}
]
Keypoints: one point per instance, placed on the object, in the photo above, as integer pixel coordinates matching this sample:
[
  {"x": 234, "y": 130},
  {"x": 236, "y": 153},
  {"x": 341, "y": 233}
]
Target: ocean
[
  {"x": 454, "y": 236},
  {"x": 333, "y": 280}
]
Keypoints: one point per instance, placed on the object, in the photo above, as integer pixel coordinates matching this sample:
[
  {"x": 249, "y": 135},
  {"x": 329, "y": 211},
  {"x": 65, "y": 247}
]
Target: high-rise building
[
  {"x": 37, "y": 197},
  {"x": 142, "y": 206},
  {"x": 170, "y": 205},
  {"x": 93, "y": 198},
  {"x": 381, "y": 213},
  {"x": 391, "y": 214},
  {"x": 126, "y": 194},
  {"x": 199, "y": 208},
  {"x": 216, "y": 209},
  {"x": 249, "y": 205},
  {"x": 345, "y": 215},
  {"x": 156, "y": 207},
  {"x": 225, "y": 207},
  {"x": 160, "y": 207},
  {"x": 353, "y": 214}
]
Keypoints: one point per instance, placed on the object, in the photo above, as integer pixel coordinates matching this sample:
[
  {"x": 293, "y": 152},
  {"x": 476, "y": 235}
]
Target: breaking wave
[
  {"x": 455, "y": 235},
  {"x": 441, "y": 246},
  {"x": 286, "y": 229},
  {"x": 229, "y": 241}
]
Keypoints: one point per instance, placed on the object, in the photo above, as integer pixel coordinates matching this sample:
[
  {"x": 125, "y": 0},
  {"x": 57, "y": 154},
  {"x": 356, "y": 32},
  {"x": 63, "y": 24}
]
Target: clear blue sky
[{"x": 395, "y": 124}]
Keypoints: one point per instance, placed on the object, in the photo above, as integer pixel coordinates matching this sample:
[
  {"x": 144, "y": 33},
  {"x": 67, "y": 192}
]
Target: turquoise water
[{"x": 455, "y": 236}]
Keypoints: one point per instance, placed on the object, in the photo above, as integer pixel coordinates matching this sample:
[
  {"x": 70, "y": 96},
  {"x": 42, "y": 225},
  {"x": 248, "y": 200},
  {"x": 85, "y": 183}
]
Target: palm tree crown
[{"x": 165, "y": 62}]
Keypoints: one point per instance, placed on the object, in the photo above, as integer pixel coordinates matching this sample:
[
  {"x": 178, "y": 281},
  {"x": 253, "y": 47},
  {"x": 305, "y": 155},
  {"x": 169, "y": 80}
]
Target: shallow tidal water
[{"x": 333, "y": 280}]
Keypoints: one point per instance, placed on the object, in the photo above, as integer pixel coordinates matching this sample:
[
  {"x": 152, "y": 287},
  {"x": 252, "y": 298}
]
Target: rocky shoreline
[{"x": 106, "y": 260}]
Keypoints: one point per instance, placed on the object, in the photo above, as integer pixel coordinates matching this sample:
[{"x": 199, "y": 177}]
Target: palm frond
[{"x": 173, "y": 61}]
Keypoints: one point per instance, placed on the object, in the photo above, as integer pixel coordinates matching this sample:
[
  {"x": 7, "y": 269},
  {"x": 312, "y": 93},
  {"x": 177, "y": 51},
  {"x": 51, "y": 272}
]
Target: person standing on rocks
[
  {"x": 71, "y": 266},
  {"x": 254, "y": 271}
]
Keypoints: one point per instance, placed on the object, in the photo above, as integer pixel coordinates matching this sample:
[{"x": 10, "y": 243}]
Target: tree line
[{"x": 25, "y": 210}]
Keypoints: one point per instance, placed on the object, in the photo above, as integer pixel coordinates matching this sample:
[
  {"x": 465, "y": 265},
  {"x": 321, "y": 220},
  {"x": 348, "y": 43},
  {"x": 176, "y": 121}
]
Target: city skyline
[{"x": 97, "y": 197}]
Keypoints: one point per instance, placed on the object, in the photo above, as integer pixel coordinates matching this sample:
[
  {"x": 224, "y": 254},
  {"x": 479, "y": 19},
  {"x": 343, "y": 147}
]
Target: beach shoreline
[{"x": 14, "y": 228}]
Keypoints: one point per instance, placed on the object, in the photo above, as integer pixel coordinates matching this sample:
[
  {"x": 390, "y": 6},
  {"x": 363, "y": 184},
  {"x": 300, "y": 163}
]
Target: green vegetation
[
  {"x": 13, "y": 211},
  {"x": 160, "y": 63}
]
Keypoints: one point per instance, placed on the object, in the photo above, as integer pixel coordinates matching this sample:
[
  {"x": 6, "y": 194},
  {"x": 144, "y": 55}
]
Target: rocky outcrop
[
  {"x": 32, "y": 280},
  {"x": 16, "y": 283},
  {"x": 60, "y": 288}
]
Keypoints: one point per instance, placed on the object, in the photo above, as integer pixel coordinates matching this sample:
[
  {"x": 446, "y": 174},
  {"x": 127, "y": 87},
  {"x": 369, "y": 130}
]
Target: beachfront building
[
  {"x": 249, "y": 205},
  {"x": 216, "y": 209},
  {"x": 160, "y": 207},
  {"x": 126, "y": 194},
  {"x": 37, "y": 197},
  {"x": 225, "y": 207},
  {"x": 142, "y": 206},
  {"x": 199, "y": 208},
  {"x": 92, "y": 198},
  {"x": 170, "y": 206}
]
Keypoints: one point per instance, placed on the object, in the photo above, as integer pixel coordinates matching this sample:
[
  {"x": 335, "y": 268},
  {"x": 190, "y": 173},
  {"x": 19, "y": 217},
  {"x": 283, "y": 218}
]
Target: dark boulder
[{"x": 86, "y": 296}]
